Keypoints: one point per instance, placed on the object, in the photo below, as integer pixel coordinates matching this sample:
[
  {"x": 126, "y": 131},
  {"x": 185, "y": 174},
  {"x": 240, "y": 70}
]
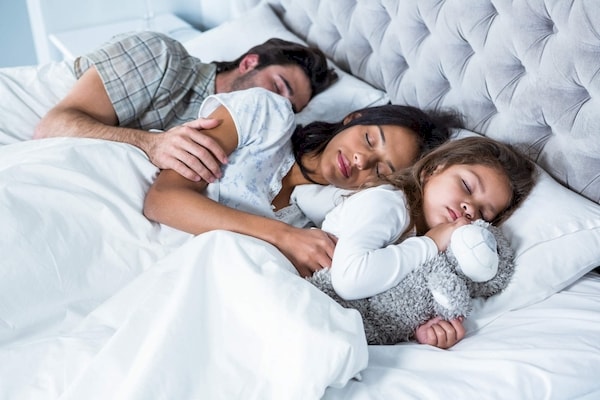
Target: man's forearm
[{"x": 72, "y": 123}]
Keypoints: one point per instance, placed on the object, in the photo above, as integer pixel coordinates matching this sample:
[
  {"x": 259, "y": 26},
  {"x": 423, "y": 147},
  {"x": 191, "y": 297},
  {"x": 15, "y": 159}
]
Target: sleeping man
[{"x": 147, "y": 81}]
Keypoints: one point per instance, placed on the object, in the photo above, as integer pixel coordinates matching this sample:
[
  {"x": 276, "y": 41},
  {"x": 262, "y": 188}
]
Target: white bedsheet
[{"x": 549, "y": 350}]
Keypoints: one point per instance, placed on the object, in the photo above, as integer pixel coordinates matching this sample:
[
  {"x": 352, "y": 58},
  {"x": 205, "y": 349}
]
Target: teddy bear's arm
[{"x": 450, "y": 294}]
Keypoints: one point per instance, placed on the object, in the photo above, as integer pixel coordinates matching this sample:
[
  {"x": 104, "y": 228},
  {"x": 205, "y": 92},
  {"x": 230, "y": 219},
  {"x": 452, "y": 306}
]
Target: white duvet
[{"x": 96, "y": 302}]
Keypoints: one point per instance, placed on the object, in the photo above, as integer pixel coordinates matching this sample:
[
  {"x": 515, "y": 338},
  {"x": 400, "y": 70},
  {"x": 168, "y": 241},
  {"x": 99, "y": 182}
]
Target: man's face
[{"x": 289, "y": 81}]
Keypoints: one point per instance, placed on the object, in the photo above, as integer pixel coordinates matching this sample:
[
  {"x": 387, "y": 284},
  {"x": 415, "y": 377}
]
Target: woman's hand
[
  {"x": 308, "y": 249},
  {"x": 440, "y": 333}
]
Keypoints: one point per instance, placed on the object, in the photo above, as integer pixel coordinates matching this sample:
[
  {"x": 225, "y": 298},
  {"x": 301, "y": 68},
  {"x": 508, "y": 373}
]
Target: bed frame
[{"x": 524, "y": 72}]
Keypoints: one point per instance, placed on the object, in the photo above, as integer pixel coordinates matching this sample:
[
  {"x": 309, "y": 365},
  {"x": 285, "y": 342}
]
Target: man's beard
[{"x": 245, "y": 81}]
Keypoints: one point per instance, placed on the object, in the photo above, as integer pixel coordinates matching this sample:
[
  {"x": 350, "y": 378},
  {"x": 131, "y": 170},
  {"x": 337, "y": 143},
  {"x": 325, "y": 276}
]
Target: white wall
[
  {"x": 25, "y": 24},
  {"x": 16, "y": 41}
]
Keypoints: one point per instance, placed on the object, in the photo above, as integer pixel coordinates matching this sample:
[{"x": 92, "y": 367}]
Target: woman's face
[
  {"x": 363, "y": 153},
  {"x": 474, "y": 191}
]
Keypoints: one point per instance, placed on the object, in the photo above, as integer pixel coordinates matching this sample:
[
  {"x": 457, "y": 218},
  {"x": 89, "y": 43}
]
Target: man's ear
[
  {"x": 350, "y": 117},
  {"x": 248, "y": 62}
]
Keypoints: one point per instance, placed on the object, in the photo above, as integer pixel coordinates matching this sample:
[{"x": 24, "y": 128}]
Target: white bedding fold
[
  {"x": 72, "y": 229},
  {"x": 223, "y": 317}
]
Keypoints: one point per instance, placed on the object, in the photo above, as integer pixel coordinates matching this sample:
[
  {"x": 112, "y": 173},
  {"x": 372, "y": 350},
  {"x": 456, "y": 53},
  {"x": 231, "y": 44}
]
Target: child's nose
[{"x": 467, "y": 211}]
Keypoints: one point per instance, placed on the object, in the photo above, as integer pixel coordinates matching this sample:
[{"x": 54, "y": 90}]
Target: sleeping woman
[{"x": 253, "y": 195}]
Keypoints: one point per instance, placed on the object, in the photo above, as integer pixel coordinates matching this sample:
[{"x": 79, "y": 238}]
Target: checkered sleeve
[{"x": 151, "y": 80}]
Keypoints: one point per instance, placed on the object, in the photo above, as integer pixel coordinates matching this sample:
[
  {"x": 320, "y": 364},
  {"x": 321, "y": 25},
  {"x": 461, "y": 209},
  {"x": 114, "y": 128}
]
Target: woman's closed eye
[
  {"x": 381, "y": 167},
  {"x": 370, "y": 144}
]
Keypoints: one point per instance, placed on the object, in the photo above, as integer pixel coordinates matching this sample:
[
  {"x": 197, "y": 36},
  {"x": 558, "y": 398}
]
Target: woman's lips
[{"x": 343, "y": 165}]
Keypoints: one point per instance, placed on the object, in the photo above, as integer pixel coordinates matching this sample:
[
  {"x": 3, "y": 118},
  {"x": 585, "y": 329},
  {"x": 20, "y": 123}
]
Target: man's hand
[
  {"x": 188, "y": 151},
  {"x": 308, "y": 249},
  {"x": 87, "y": 111},
  {"x": 440, "y": 333}
]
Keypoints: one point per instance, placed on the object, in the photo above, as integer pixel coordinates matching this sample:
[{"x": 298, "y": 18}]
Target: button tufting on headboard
[{"x": 524, "y": 72}]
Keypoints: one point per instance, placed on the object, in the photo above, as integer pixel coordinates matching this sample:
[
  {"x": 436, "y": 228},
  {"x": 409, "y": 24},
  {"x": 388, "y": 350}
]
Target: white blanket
[{"x": 97, "y": 302}]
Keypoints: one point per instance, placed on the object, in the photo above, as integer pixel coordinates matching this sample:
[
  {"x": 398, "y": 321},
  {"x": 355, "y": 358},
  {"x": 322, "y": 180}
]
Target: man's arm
[{"x": 87, "y": 111}]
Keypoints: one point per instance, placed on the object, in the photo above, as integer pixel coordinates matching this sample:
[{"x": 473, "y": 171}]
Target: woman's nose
[{"x": 361, "y": 161}]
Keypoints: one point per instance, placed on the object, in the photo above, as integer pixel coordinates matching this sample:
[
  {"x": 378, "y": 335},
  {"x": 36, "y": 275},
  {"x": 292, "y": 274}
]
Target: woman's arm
[{"x": 182, "y": 204}]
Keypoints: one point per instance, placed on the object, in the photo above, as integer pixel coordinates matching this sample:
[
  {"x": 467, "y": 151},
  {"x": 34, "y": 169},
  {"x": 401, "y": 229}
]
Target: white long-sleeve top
[{"x": 366, "y": 260}]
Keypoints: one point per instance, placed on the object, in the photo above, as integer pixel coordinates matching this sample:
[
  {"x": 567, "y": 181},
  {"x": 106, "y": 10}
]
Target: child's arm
[
  {"x": 440, "y": 333},
  {"x": 366, "y": 261}
]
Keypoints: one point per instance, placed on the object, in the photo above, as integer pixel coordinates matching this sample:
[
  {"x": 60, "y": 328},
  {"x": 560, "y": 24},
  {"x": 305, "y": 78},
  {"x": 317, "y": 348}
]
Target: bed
[{"x": 97, "y": 302}]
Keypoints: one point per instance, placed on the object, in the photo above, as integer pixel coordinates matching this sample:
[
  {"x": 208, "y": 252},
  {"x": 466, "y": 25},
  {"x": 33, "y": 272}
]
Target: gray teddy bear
[{"x": 479, "y": 262}]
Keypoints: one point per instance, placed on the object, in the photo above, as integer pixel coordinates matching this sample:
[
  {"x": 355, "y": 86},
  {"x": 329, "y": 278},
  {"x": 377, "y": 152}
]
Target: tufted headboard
[{"x": 525, "y": 72}]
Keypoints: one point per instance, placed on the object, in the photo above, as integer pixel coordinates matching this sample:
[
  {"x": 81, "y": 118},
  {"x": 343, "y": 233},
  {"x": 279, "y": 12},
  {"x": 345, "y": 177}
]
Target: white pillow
[
  {"x": 233, "y": 38},
  {"x": 556, "y": 236}
]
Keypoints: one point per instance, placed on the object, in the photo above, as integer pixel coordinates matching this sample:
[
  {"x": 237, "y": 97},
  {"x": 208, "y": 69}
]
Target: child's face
[
  {"x": 363, "y": 153},
  {"x": 474, "y": 191}
]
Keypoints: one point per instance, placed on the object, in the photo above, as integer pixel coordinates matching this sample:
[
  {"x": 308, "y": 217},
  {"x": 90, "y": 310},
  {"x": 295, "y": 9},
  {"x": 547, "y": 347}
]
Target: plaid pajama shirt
[{"x": 151, "y": 80}]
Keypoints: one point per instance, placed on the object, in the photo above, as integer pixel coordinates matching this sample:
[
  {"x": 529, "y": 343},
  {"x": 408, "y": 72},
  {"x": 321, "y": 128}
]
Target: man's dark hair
[{"x": 282, "y": 52}]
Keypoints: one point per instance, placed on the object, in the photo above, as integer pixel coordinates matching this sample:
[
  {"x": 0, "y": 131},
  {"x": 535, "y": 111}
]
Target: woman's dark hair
[
  {"x": 282, "y": 52},
  {"x": 431, "y": 128}
]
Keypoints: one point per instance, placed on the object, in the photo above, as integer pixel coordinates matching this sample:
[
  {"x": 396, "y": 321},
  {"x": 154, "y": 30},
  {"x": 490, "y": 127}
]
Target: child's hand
[
  {"x": 442, "y": 232},
  {"x": 440, "y": 333}
]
